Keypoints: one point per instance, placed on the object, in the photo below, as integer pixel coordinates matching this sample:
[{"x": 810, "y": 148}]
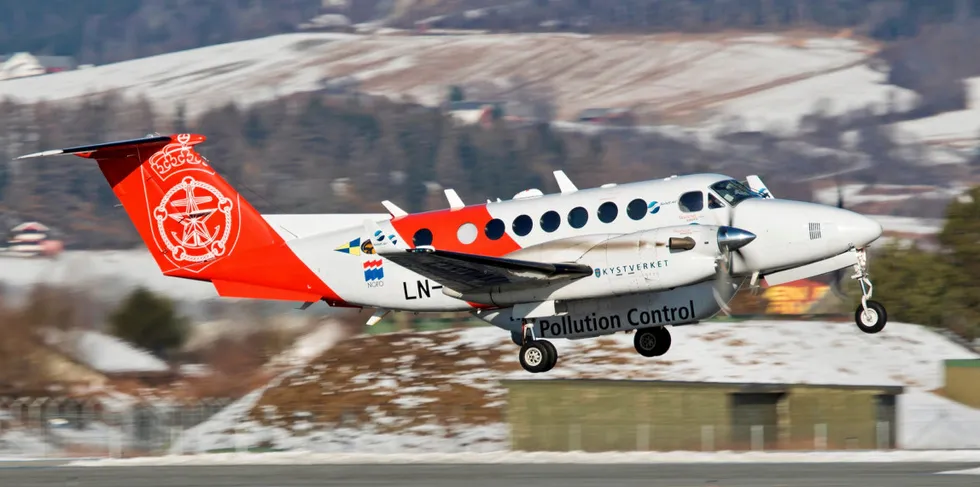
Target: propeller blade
[
  {"x": 722, "y": 281},
  {"x": 835, "y": 284}
]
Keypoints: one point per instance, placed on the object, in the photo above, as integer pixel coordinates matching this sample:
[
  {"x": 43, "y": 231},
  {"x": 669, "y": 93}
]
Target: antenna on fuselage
[
  {"x": 455, "y": 202},
  {"x": 564, "y": 184},
  {"x": 393, "y": 209}
]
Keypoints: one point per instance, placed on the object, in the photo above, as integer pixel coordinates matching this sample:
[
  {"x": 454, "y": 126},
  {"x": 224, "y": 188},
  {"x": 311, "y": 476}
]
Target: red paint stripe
[{"x": 444, "y": 225}]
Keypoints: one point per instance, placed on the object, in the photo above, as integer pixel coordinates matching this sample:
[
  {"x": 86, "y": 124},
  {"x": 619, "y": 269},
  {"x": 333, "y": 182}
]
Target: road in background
[{"x": 541, "y": 475}]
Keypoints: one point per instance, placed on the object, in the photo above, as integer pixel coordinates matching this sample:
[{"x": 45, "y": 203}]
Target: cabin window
[
  {"x": 691, "y": 201},
  {"x": 714, "y": 202},
  {"x": 550, "y": 221},
  {"x": 466, "y": 233},
  {"x": 495, "y": 229},
  {"x": 608, "y": 212},
  {"x": 523, "y": 225},
  {"x": 423, "y": 236},
  {"x": 578, "y": 217},
  {"x": 734, "y": 192},
  {"x": 637, "y": 209}
]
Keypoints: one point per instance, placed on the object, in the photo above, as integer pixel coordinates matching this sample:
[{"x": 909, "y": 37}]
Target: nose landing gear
[{"x": 870, "y": 316}]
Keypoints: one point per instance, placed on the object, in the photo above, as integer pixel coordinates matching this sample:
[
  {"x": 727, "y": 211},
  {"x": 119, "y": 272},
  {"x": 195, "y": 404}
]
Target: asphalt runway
[{"x": 687, "y": 475}]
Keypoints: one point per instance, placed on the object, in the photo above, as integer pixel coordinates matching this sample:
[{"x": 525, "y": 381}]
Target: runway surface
[{"x": 665, "y": 475}]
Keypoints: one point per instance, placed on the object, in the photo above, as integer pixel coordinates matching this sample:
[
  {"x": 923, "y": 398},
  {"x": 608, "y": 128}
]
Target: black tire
[
  {"x": 534, "y": 357},
  {"x": 645, "y": 342},
  {"x": 875, "y": 322},
  {"x": 663, "y": 341},
  {"x": 552, "y": 354}
]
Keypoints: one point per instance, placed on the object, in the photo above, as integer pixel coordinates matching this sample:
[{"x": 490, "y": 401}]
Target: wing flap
[
  {"x": 470, "y": 273},
  {"x": 473, "y": 273}
]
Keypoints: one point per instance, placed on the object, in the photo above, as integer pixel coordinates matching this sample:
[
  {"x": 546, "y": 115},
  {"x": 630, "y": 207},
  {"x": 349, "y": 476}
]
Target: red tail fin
[{"x": 195, "y": 224}]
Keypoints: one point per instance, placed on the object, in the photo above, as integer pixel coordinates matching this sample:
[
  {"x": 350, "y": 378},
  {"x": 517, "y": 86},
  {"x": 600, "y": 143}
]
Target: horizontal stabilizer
[{"x": 106, "y": 146}]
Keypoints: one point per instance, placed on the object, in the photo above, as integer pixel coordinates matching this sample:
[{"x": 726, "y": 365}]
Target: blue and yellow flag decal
[{"x": 353, "y": 247}]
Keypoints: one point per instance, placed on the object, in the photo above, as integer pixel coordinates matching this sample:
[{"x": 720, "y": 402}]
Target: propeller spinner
[{"x": 730, "y": 239}]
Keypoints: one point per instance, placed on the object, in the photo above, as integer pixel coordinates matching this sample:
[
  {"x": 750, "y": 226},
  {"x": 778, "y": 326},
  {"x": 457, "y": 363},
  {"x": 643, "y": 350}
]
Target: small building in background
[
  {"x": 625, "y": 415},
  {"x": 25, "y": 64},
  {"x": 31, "y": 239},
  {"x": 472, "y": 112}
]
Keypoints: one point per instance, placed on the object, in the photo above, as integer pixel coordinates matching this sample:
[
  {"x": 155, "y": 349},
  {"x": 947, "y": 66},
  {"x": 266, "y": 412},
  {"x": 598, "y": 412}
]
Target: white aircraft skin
[{"x": 576, "y": 264}]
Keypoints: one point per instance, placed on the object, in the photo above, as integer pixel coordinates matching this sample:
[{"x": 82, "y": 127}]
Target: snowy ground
[
  {"x": 773, "y": 79},
  {"x": 108, "y": 273},
  {"x": 959, "y": 129},
  {"x": 399, "y": 387}
]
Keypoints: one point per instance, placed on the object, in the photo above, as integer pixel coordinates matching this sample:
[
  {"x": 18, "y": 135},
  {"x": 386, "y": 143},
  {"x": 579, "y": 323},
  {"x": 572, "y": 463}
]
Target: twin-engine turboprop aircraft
[{"x": 582, "y": 263}]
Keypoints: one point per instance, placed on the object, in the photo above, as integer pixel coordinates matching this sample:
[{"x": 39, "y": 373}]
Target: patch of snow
[
  {"x": 18, "y": 443},
  {"x": 959, "y": 128},
  {"x": 107, "y": 353},
  {"x": 864, "y": 193},
  {"x": 585, "y": 71},
  {"x": 750, "y": 351},
  {"x": 311, "y": 345},
  {"x": 317, "y": 458},
  {"x": 108, "y": 274},
  {"x": 783, "y": 107},
  {"x": 929, "y": 421},
  {"x": 902, "y": 224}
]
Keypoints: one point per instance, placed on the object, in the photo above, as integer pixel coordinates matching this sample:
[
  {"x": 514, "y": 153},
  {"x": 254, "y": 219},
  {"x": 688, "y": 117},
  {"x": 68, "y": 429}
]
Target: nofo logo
[{"x": 654, "y": 207}]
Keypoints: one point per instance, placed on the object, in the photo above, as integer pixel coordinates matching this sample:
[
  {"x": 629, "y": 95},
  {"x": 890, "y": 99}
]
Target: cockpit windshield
[{"x": 733, "y": 191}]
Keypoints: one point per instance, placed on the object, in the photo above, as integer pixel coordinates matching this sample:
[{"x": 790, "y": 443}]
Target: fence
[
  {"x": 68, "y": 427},
  {"x": 61, "y": 427}
]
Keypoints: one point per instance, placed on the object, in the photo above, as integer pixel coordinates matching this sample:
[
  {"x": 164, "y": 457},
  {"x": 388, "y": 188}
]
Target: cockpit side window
[
  {"x": 714, "y": 202},
  {"x": 691, "y": 201},
  {"x": 733, "y": 191}
]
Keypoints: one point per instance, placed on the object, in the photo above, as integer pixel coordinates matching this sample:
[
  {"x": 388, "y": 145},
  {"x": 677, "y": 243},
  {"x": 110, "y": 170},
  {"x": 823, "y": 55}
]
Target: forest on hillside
[{"x": 316, "y": 153}]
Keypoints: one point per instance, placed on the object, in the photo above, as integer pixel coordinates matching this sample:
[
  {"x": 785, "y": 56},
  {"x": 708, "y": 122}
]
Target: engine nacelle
[{"x": 651, "y": 260}]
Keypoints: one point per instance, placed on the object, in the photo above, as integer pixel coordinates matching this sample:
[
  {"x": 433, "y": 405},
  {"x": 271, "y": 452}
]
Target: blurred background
[{"x": 315, "y": 106}]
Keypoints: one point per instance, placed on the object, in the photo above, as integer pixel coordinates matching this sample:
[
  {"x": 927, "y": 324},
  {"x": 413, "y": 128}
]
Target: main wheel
[
  {"x": 535, "y": 357},
  {"x": 552, "y": 354},
  {"x": 663, "y": 341},
  {"x": 652, "y": 342},
  {"x": 873, "y": 320}
]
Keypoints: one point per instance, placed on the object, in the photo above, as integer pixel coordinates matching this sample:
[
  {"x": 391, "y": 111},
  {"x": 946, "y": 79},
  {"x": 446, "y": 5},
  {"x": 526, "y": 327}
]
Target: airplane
[{"x": 581, "y": 263}]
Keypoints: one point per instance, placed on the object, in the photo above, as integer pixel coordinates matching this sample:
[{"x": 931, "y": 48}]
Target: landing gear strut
[
  {"x": 536, "y": 355},
  {"x": 870, "y": 316},
  {"x": 652, "y": 342}
]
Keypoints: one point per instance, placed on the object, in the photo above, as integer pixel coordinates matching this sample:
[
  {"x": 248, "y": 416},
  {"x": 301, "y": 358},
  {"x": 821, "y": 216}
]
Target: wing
[{"x": 467, "y": 273}]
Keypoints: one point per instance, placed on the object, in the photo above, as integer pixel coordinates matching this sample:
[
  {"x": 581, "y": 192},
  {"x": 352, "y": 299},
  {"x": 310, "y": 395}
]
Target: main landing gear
[
  {"x": 870, "y": 316},
  {"x": 652, "y": 342},
  {"x": 536, "y": 355}
]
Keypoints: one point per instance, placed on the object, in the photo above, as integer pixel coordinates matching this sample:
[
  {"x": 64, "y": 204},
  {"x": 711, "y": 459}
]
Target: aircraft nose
[{"x": 858, "y": 229}]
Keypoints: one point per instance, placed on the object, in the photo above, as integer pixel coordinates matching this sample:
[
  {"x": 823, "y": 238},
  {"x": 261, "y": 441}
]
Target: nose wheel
[{"x": 870, "y": 316}]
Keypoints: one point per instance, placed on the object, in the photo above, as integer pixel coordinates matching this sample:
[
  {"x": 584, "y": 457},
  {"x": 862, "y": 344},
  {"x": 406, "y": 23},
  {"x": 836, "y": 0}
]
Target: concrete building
[
  {"x": 625, "y": 415},
  {"x": 963, "y": 381}
]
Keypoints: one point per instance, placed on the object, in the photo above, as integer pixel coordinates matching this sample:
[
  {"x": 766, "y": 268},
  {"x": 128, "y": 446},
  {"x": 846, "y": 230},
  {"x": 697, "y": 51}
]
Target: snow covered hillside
[
  {"x": 440, "y": 391},
  {"x": 769, "y": 79}
]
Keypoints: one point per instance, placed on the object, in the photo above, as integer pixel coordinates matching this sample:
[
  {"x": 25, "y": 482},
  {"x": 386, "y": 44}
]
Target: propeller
[{"x": 730, "y": 239}]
